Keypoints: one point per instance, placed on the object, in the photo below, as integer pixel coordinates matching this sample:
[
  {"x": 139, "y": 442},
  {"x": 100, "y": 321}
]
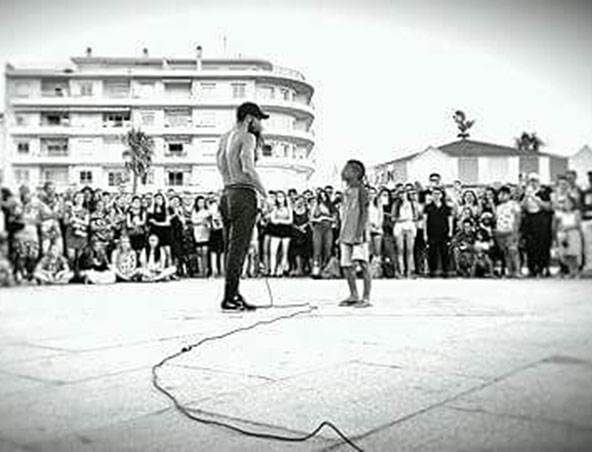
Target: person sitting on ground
[
  {"x": 124, "y": 261},
  {"x": 53, "y": 268},
  {"x": 94, "y": 265},
  {"x": 462, "y": 246},
  {"x": 153, "y": 262}
]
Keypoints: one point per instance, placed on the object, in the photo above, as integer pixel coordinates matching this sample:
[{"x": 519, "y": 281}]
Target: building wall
[
  {"x": 432, "y": 160},
  {"x": 195, "y": 109},
  {"x": 581, "y": 163}
]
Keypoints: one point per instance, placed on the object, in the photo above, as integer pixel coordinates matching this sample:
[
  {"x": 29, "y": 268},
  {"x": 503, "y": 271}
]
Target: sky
[{"x": 388, "y": 75}]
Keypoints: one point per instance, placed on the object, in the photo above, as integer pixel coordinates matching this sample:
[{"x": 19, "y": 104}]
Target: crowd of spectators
[{"x": 97, "y": 237}]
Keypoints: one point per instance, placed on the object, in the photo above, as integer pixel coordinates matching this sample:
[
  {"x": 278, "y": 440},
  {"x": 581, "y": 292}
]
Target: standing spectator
[
  {"x": 323, "y": 217},
  {"x": 136, "y": 221},
  {"x": 489, "y": 200},
  {"x": 536, "y": 226},
  {"x": 438, "y": 229},
  {"x": 282, "y": 220},
  {"x": 159, "y": 223},
  {"x": 265, "y": 227},
  {"x": 117, "y": 216},
  {"x": 405, "y": 214},
  {"x": 177, "y": 216},
  {"x": 77, "y": 223},
  {"x": 201, "y": 219},
  {"x": 586, "y": 206},
  {"x": 27, "y": 246},
  {"x": 569, "y": 236},
  {"x": 153, "y": 260},
  {"x": 100, "y": 225},
  {"x": 53, "y": 268},
  {"x": 573, "y": 189},
  {"x": 507, "y": 231},
  {"x": 51, "y": 211},
  {"x": 470, "y": 201},
  {"x": 94, "y": 265},
  {"x": 389, "y": 254},
  {"x": 124, "y": 261},
  {"x": 300, "y": 235},
  {"x": 375, "y": 225},
  {"x": 216, "y": 245}
]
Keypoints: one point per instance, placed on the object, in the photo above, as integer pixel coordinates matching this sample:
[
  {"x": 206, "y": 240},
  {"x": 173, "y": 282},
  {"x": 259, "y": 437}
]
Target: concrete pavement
[{"x": 442, "y": 365}]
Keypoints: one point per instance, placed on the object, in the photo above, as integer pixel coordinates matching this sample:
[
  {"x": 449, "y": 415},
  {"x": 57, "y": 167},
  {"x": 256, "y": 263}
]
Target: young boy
[
  {"x": 53, "y": 268},
  {"x": 354, "y": 234}
]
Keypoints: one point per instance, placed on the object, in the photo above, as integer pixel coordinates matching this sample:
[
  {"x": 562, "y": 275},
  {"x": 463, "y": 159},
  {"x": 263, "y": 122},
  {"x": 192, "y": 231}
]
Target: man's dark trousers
[{"x": 238, "y": 207}]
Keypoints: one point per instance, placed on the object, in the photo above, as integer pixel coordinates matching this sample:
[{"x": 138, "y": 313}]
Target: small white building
[
  {"x": 471, "y": 162},
  {"x": 581, "y": 163}
]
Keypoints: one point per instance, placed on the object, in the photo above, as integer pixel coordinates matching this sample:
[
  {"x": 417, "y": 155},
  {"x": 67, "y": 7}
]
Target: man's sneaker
[
  {"x": 244, "y": 305},
  {"x": 231, "y": 305}
]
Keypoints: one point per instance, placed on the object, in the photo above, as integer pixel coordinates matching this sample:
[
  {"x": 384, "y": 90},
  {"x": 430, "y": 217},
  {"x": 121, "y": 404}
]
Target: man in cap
[{"x": 238, "y": 205}]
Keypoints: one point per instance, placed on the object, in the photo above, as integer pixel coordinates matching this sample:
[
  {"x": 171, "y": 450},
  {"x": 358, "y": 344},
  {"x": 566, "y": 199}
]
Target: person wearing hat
[{"x": 238, "y": 205}]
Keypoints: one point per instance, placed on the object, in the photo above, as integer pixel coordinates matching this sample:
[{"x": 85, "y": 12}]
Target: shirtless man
[{"x": 236, "y": 162}]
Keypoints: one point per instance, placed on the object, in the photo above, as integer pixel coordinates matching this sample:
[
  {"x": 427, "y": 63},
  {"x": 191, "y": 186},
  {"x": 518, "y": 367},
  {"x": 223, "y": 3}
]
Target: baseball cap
[{"x": 250, "y": 108}]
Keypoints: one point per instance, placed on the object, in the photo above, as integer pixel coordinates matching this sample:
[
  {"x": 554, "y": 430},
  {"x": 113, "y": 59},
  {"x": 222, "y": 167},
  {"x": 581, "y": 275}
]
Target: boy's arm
[{"x": 363, "y": 218}]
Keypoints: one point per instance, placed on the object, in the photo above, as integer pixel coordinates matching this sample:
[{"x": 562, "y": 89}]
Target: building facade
[
  {"x": 472, "y": 162},
  {"x": 67, "y": 126},
  {"x": 581, "y": 163}
]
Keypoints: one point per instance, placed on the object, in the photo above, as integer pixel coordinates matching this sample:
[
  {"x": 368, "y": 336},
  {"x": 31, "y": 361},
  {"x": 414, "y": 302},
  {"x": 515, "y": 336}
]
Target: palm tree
[
  {"x": 529, "y": 142},
  {"x": 138, "y": 155}
]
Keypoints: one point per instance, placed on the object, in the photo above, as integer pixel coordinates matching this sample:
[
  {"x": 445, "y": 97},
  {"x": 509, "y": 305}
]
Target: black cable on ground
[{"x": 227, "y": 425}]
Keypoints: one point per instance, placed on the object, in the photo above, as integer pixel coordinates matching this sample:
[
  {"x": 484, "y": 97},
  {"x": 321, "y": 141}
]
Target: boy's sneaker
[
  {"x": 349, "y": 302},
  {"x": 363, "y": 304}
]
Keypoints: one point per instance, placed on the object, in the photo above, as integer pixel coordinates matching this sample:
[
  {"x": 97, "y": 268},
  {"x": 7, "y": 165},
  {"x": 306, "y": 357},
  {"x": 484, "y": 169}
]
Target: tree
[
  {"x": 138, "y": 155},
  {"x": 529, "y": 142},
  {"x": 462, "y": 123}
]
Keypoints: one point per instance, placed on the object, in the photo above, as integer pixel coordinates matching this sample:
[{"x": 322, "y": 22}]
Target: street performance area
[{"x": 433, "y": 365}]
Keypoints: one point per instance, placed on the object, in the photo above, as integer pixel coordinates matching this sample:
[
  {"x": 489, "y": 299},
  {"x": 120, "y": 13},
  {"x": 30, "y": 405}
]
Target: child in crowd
[
  {"x": 354, "y": 232},
  {"x": 507, "y": 231},
  {"x": 94, "y": 265},
  {"x": 124, "y": 261},
  {"x": 569, "y": 237},
  {"x": 53, "y": 268},
  {"x": 463, "y": 248}
]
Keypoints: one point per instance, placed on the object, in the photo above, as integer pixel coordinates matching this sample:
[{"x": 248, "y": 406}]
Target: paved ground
[{"x": 435, "y": 365}]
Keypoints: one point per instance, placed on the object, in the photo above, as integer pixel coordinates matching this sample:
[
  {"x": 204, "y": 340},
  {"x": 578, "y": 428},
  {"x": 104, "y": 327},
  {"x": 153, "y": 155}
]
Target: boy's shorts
[{"x": 351, "y": 253}]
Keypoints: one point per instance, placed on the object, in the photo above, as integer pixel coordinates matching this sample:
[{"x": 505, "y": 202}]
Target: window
[
  {"x": 116, "y": 119},
  {"x": 116, "y": 178},
  {"x": 267, "y": 92},
  {"x": 177, "y": 145},
  {"x": 286, "y": 148},
  {"x": 147, "y": 118},
  {"x": 177, "y": 118},
  {"x": 22, "y": 147},
  {"x": 208, "y": 147},
  {"x": 55, "y": 119},
  {"x": 206, "y": 119},
  {"x": 267, "y": 150},
  {"x": 178, "y": 89},
  {"x": 286, "y": 94},
  {"x": 54, "y": 88},
  {"x": 145, "y": 89},
  {"x": 55, "y": 147},
  {"x": 21, "y": 176},
  {"x": 468, "y": 170},
  {"x": 86, "y": 177},
  {"x": 22, "y": 89},
  {"x": 56, "y": 174},
  {"x": 117, "y": 88},
  {"x": 20, "y": 120},
  {"x": 86, "y": 88},
  {"x": 175, "y": 178},
  {"x": 239, "y": 90},
  {"x": 208, "y": 89}
]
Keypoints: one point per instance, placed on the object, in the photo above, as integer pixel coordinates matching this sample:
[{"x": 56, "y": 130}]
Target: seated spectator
[
  {"x": 124, "y": 261},
  {"x": 94, "y": 265},
  {"x": 482, "y": 264},
  {"x": 153, "y": 262},
  {"x": 53, "y": 268}
]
